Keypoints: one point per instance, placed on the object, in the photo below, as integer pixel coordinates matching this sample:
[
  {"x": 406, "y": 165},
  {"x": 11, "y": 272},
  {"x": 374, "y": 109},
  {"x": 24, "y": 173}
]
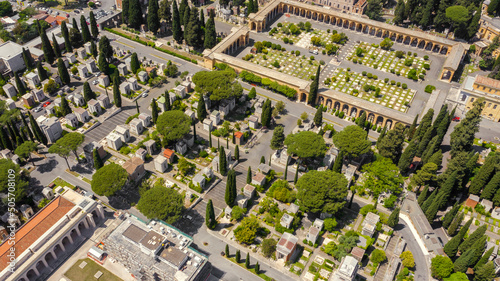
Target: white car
[
  {"x": 144, "y": 94},
  {"x": 95, "y": 82},
  {"x": 37, "y": 109}
]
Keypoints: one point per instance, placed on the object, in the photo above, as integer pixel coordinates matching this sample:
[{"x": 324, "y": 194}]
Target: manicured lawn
[
  {"x": 60, "y": 182},
  {"x": 299, "y": 66},
  {"x": 376, "y": 57},
  {"x": 75, "y": 273},
  {"x": 391, "y": 96},
  {"x": 251, "y": 269}
]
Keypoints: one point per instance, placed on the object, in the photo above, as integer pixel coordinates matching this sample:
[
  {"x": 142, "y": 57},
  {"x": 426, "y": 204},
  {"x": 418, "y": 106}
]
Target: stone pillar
[
  {"x": 91, "y": 219},
  {"x": 100, "y": 211},
  {"x": 53, "y": 254},
  {"x": 77, "y": 230},
  {"x": 44, "y": 263},
  {"x": 86, "y": 223},
  {"x": 70, "y": 239},
  {"x": 62, "y": 247}
]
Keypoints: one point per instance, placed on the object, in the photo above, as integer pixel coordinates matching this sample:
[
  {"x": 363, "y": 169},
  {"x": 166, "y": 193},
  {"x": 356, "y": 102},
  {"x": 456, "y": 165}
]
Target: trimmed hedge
[
  {"x": 268, "y": 83},
  {"x": 151, "y": 44}
]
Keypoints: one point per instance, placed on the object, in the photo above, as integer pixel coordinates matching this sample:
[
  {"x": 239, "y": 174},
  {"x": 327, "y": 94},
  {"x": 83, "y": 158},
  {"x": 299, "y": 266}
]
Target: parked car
[
  {"x": 37, "y": 109},
  {"x": 456, "y": 119},
  {"x": 95, "y": 82},
  {"x": 76, "y": 11},
  {"x": 144, "y": 95},
  {"x": 46, "y": 103}
]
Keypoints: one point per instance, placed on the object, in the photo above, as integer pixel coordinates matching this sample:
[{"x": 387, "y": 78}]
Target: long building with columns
[
  {"x": 352, "y": 106},
  {"x": 49, "y": 235}
]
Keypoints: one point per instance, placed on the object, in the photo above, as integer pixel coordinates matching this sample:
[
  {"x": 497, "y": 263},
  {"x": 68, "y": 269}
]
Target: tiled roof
[
  {"x": 36, "y": 227},
  {"x": 168, "y": 153},
  {"x": 485, "y": 81},
  {"x": 238, "y": 135}
]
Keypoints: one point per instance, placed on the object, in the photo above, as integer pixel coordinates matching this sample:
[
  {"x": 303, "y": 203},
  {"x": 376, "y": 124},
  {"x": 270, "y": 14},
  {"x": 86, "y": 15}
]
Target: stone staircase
[{"x": 389, "y": 250}]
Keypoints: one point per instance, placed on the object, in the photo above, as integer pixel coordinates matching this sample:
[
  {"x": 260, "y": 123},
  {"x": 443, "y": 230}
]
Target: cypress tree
[
  {"x": 337, "y": 165},
  {"x": 447, "y": 188},
  {"x": 428, "y": 202},
  {"x": 134, "y": 14},
  {"x": 278, "y": 137},
  {"x": 193, "y": 33},
  {"x": 425, "y": 123},
  {"x": 65, "y": 34},
  {"x": 429, "y": 150},
  {"x": 41, "y": 71},
  {"x": 210, "y": 220},
  {"x": 55, "y": 45},
  {"x": 237, "y": 153},
  {"x": 250, "y": 7},
  {"x": 256, "y": 6},
  {"x": 443, "y": 113},
  {"x": 422, "y": 196},
  {"x": 249, "y": 175},
  {"x": 210, "y": 138},
  {"x": 85, "y": 29},
  {"x": 432, "y": 210},
  {"x": 257, "y": 268},
  {"x": 448, "y": 217},
  {"x": 117, "y": 97},
  {"x": 313, "y": 88},
  {"x": 318, "y": 116},
  {"x": 451, "y": 248},
  {"x": 210, "y": 33},
  {"x": 392, "y": 144},
  {"x": 491, "y": 188},
  {"x": 153, "y": 18},
  {"x": 97, "y": 160},
  {"x": 15, "y": 132},
  {"x": 125, "y": 8},
  {"x": 154, "y": 110},
  {"x": 176, "y": 23},
  {"x": 102, "y": 63},
  {"x": 424, "y": 141},
  {"x": 462, "y": 263},
  {"x": 262, "y": 159},
  {"x": 227, "y": 251},
  {"x": 194, "y": 129},
  {"x": 407, "y": 157},
  {"x": 167, "y": 101},
  {"x": 75, "y": 25},
  {"x": 484, "y": 259},
  {"x": 201, "y": 111},
  {"x": 237, "y": 256},
  {"x": 28, "y": 60},
  {"x": 393, "y": 219},
  {"x": 88, "y": 94},
  {"x": 467, "y": 244},
  {"x": 413, "y": 126},
  {"x": 30, "y": 134},
  {"x": 484, "y": 174},
  {"x": 478, "y": 248},
  {"x": 137, "y": 107},
  {"x": 6, "y": 142},
  {"x": 286, "y": 171},
  {"x": 75, "y": 36},
  {"x": 247, "y": 261},
  {"x": 93, "y": 49},
  {"x": 19, "y": 84},
  {"x": 266, "y": 113},
  {"x": 105, "y": 47},
  {"x": 462, "y": 137},
  {"x": 65, "y": 109},
  {"x": 296, "y": 176},
  {"x": 485, "y": 272},
  {"x": 48, "y": 52},
  {"x": 134, "y": 63},
  {"x": 36, "y": 130},
  {"x": 93, "y": 25},
  {"x": 455, "y": 224},
  {"x": 361, "y": 120},
  {"x": 182, "y": 9},
  {"x": 222, "y": 161},
  {"x": 63, "y": 72},
  {"x": 202, "y": 19},
  {"x": 185, "y": 21},
  {"x": 436, "y": 158}
]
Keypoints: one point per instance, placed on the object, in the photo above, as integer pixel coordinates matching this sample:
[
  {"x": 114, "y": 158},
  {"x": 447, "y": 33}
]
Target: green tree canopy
[
  {"x": 378, "y": 256},
  {"x": 441, "y": 267},
  {"x": 457, "y": 14},
  {"x": 21, "y": 180},
  {"x": 72, "y": 141},
  {"x": 109, "y": 179},
  {"x": 407, "y": 259},
  {"x": 173, "y": 125},
  {"x": 352, "y": 140},
  {"x": 268, "y": 247},
  {"x": 382, "y": 176},
  {"x": 25, "y": 149},
  {"x": 163, "y": 203},
  {"x": 218, "y": 85},
  {"x": 305, "y": 144},
  {"x": 322, "y": 191},
  {"x": 278, "y": 137},
  {"x": 247, "y": 230}
]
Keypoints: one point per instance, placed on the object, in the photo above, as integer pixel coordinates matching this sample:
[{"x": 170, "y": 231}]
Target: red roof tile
[
  {"x": 168, "y": 153},
  {"x": 36, "y": 227},
  {"x": 470, "y": 203},
  {"x": 238, "y": 135}
]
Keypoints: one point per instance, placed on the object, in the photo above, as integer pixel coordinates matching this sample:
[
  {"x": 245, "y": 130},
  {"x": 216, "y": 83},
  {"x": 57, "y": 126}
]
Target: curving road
[{"x": 421, "y": 267}]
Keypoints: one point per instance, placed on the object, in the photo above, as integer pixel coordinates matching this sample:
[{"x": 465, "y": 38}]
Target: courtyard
[
  {"x": 395, "y": 62},
  {"x": 388, "y": 93},
  {"x": 87, "y": 269}
]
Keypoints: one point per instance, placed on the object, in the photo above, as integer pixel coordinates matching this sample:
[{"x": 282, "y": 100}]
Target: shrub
[
  {"x": 393, "y": 82},
  {"x": 426, "y": 57},
  {"x": 280, "y": 24},
  {"x": 323, "y": 52},
  {"x": 404, "y": 86},
  {"x": 421, "y": 77},
  {"x": 427, "y": 66},
  {"x": 398, "y": 84},
  {"x": 203, "y": 154},
  {"x": 414, "y": 55},
  {"x": 364, "y": 73},
  {"x": 285, "y": 40},
  {"x": 429, "y": 88},
  {"x": 375, "y": 77},
  {"x": 311, "y": 58},
  {"x": 355, "y": 60},
  {"x": 409, "y": 53},
  {"x": 322, "y": 62},
  {"x": 369, "y": 75},
  {"x": 386, "y": 80},
  {"x": 348, "y": 69}
]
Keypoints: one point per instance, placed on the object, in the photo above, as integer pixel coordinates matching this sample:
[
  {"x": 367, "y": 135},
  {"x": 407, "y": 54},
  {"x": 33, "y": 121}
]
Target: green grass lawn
[
  {"x": 391, "y": 95},
  {"x": 377, "y": 58},
  {"x": 251, "y": 269},
  {"x": 75, "y": 273},
  {"x": 299, "y": 66},
  {"x": 60, "y": 182}
]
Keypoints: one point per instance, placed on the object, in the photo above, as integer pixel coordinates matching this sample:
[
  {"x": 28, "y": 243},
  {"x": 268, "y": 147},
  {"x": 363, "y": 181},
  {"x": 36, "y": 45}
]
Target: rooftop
[
  {"x": 287, "y": 243},
  {"x": 488, "y": 82},
  {"x": 10, "y": 49},
  {"x": 169, "y": 153},
  {"x": 348, "y": 266},
  {"x": 36, "y": 227},
  {"x": 152, "y": 240},
  {"x": 173, "y": 255}
]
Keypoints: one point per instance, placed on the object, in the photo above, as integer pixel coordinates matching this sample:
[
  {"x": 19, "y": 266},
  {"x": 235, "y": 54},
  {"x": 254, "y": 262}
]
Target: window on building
[
  {"x": 489, "y": 104},
  {"x": 472, "y": 100},
  {"x": 495, "y": 106},
  {"x": 464, "y": 97}
]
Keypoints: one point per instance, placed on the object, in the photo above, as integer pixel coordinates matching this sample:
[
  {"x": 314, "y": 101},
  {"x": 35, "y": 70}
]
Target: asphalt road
[{"x": 421, "y": 266}]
